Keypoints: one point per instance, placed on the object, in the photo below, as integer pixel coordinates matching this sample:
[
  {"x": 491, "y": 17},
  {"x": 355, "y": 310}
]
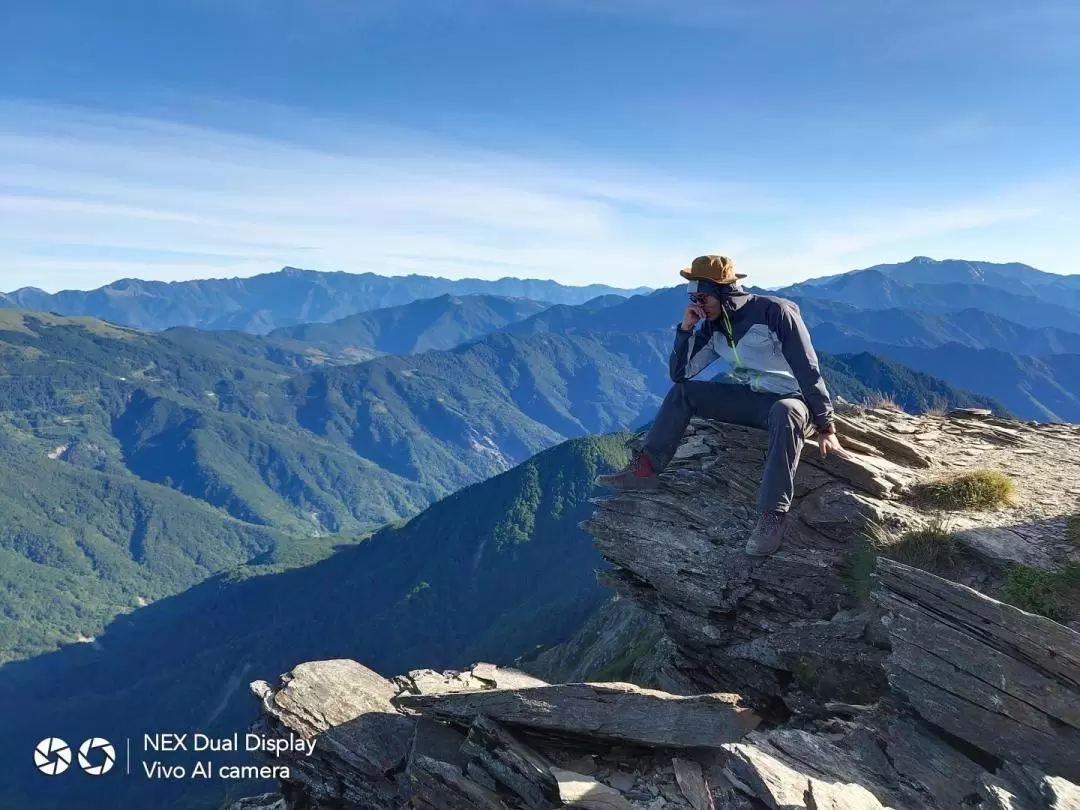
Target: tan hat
[{"x": 720, "y": 269}]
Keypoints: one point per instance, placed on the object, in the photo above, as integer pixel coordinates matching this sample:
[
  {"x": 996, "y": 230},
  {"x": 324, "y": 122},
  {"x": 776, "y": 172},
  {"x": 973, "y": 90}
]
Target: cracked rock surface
[{"x": 780, "y": 686}]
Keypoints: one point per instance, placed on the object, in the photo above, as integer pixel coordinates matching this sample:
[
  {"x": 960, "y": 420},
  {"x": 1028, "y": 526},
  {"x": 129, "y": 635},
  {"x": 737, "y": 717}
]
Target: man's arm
[
  {"x": 799, "y": 353},
  {"x": 692, "y": 353}
]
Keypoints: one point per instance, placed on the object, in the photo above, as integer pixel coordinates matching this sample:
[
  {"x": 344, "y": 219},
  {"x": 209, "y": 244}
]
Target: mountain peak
[{"x": 922, "y": 260}]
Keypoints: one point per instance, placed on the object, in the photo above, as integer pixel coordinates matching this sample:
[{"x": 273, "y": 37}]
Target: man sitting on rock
[{"x": 774, "y": 384}]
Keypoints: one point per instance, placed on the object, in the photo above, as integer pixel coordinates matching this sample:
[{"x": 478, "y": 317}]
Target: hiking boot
[
  {"x": 638, "y": 474},
  {"x": 767, "y": 534}
]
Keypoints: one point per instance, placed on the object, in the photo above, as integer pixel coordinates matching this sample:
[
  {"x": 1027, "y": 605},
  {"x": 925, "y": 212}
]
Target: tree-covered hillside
[
  {"x": 865, "y": 377},
  {"x": 487, "y": 573}
]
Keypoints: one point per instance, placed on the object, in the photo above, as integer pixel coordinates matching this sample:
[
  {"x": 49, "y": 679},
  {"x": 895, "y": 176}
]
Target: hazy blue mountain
[
  {"x": 656, "y": 309},
  {"x": 873, "y": 289},
  {"x": 835, "y": 326},
  {"x": 1012, "y": 276},
  {"x": 863, "y": 377},
  {"x": 1042, "y": 388},
  {"x": 430, "y": 323},
  {"x": 841, "y": 328},
  {"x": 271, "y": 300}
]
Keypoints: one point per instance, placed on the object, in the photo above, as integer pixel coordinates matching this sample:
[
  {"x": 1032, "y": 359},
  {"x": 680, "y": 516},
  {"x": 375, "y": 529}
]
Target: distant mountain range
[
  {"x": 1021, "y": 350},
  {"x": 1052, "y": 304},
  {"x": 1014, "y": 277},
  {"x": 1006, "y": 330},
  {"x": 842, "y": 327},
  {"x": 286, "y": 298},
  {"x": 132, "y": 463}
]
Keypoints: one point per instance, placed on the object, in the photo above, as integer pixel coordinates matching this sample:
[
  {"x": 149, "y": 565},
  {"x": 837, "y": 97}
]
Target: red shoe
[{"x": 638, "y": 474}]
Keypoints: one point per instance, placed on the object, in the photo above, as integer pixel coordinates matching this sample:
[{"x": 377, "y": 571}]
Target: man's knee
[
  {"x": 789, "y": 412},
  {"x": 681, "y": 391}
]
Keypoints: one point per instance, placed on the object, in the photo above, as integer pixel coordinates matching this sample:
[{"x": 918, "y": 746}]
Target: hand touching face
[{"x": 692, "y": 314}]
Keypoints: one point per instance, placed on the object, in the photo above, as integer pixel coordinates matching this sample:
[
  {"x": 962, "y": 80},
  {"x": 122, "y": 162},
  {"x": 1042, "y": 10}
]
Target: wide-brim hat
[{"x": 718, "y": 269}]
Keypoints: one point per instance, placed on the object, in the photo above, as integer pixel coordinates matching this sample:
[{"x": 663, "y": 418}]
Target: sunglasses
[{"x": 698, "y": 298}]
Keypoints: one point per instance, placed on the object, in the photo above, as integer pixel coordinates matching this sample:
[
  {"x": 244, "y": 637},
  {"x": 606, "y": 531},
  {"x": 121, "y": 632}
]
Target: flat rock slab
[
  {"x": 781, "y": 785},
  {"x": 346, "y": 706},
  {"x": 1006, "y": 546},
  {"x": 480, "y": 676},
  {"x": 612, "y": 711},
  {"x": 579, "y": 790}
]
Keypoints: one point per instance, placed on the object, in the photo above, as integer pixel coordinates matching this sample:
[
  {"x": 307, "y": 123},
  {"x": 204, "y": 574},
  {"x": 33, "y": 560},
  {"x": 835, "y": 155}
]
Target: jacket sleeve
[
  {"x": 799, "y": 353},
  {"x": 692, "y": 353}
]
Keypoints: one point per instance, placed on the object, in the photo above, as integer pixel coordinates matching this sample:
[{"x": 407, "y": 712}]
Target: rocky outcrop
[
  {"x": 789, "y": 627},
  {"x": 785, "y": 684},
  {"x": 504, "y": 740}
]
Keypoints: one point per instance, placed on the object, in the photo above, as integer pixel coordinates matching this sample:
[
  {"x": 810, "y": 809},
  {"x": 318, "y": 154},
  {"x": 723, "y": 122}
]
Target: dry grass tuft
[
  {"x": 932, "y": 548},
  {"x": 879, "y": 400},
  {"x": 970, "y": 489}
]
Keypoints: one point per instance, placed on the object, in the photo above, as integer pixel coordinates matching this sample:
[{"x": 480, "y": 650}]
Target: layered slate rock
[
  {"x": 507, "y": 741},
  {"x": 1004, "y": 679},
  {"x": 361, "y": 738},
  {"x": 930, "y": 694},
  {"x": 619, "y": 712},
  {"x": 787, "y": 627}
]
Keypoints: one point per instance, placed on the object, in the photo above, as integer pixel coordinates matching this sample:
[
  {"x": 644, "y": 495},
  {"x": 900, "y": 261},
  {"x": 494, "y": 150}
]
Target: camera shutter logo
[
  {"x": 106, "y": 756},
  {"x": 52, "y": 756}
]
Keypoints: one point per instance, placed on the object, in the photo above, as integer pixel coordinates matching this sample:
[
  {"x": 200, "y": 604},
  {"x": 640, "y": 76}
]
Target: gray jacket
[{"x": 766, "y": 342}]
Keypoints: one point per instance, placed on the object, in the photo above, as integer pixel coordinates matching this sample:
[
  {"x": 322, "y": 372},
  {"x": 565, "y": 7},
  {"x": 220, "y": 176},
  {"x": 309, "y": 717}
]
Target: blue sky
[{"x": 580, "y": 140}]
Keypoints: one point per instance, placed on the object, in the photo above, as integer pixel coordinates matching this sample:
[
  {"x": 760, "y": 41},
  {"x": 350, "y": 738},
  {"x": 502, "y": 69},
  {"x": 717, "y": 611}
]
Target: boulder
[{"x": 612, "y": 711}]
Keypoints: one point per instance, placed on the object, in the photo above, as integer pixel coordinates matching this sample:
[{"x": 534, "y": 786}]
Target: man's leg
[
  {"x": 787, "y": 420},
  {"x": 787, "y": 423},
  {"x": 724, "y": 402}
]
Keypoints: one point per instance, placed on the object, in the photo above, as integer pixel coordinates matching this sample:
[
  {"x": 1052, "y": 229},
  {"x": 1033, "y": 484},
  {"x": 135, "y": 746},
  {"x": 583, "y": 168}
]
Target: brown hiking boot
[
  {"x": 767, "y": 534},
  {"x": 638, "y": 474}
]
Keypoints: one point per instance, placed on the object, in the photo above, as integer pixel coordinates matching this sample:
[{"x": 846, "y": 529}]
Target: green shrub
[
  {"x": 1072, "y": 530},
  {"x": 970, "y": 489},
  {"x": 1053, "y": 594}
]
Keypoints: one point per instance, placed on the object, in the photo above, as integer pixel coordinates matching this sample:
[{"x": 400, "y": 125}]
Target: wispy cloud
[
  {"x": 87, "y": 198},
  {"x": 365, "y": 202}
]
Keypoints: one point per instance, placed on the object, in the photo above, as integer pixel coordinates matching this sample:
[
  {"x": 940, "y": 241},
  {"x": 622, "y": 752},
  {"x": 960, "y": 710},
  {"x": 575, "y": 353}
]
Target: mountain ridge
[
  {"x": 442, "y": 322},
  {"x": 286, "y": 297}
]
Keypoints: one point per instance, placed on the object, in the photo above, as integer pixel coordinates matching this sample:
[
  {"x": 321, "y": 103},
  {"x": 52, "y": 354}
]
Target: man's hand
[
  {"x": 828, "y": 442},
  {"x": 691, "y": 316}
]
